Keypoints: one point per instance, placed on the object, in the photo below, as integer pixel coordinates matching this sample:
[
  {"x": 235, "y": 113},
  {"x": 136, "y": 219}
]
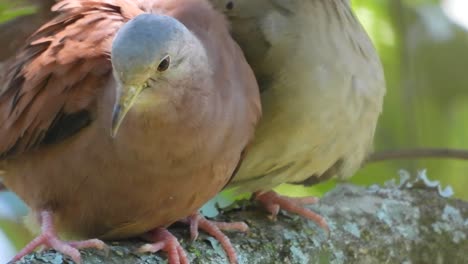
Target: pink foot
[
  {"x": 49, "y": 238},
  {"x": 273, "y": 202},
  {"x": 168, "y": 243},
  {"x": 197, "y": 221}
]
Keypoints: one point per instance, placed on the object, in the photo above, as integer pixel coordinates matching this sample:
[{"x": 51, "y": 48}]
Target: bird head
[{"x": 149, "y": 55}]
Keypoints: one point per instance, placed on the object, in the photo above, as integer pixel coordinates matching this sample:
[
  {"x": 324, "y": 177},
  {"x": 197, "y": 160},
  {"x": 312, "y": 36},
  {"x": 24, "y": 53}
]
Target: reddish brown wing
[{"x": 51, "y": 86}]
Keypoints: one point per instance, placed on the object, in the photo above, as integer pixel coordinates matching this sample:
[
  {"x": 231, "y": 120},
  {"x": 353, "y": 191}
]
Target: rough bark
[{"x": 407, "y": 223}]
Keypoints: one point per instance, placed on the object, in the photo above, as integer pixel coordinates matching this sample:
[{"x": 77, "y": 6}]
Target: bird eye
[
  {"x": 164, "y": 64},
  {"x": 229, "y": 5}
]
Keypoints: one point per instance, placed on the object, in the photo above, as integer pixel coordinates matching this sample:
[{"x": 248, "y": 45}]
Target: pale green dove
[{"x": 322, "y": 88}]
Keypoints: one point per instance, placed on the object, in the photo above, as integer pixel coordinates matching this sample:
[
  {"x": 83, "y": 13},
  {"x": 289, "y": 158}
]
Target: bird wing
[{"x": 51, "y": 86}]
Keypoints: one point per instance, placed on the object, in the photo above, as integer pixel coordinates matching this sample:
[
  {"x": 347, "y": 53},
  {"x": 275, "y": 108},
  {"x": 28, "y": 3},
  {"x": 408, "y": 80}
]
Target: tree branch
[
  {"x": 374, "y": 225},
  {"x": 419, "y": 153}
]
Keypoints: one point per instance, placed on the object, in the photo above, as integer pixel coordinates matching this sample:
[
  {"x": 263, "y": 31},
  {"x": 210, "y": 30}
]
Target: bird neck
[{"x": 173, "y": 131}]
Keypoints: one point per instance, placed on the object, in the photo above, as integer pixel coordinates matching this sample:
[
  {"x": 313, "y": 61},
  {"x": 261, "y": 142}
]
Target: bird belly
[
  {"x": 306, "y": 130},
  {"x": 93, "y": 191}
]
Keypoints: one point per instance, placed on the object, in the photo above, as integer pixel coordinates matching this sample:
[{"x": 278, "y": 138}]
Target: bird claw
[
  {"x": 273, "y": 202},
  {"x": 49, "y": 239},
  {"x": 213, "y": 228},
  {"x": 168, "y": 243}
]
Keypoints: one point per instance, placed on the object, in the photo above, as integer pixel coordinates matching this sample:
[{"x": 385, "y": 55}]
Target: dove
[
  {"x": 322, "y": 87},
  {"x": 121, "y": 117}
]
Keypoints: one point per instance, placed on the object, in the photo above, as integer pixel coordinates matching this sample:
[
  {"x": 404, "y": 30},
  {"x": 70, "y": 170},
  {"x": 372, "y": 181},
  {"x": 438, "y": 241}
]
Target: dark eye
[
  {"x": 229, "y": 5},
  {"x": 164, "y": 64}
]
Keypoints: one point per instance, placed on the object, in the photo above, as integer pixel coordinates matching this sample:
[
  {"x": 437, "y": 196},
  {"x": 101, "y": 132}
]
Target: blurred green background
[{"x": 424, "y": 48}]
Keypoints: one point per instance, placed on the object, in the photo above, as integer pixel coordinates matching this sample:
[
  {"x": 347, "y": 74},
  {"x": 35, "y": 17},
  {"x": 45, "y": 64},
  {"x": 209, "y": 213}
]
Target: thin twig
[{"x": 419, "y": 153}]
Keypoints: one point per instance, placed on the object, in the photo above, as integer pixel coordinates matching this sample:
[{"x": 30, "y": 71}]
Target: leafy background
[{"x": 423, "y": 46}]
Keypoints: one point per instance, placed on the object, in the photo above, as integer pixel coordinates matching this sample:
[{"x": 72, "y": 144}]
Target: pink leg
[
  {"x": 167, "y": 242},
  {"x": 197, "y": 221},
  {"x": 273, "y": 202},
  {"x": 49, "y": 238}
]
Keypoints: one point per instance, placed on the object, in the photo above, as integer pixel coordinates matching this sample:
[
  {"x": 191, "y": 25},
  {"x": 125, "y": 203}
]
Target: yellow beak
[{"x": 126, "y": 98}]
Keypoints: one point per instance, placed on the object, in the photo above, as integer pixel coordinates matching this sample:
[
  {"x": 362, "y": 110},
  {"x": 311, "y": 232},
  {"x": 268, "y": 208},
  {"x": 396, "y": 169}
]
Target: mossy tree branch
[{"x": 368, "y": 225}]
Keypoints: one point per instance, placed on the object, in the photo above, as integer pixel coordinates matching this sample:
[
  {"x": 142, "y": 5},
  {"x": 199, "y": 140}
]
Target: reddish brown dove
[
  {"x": 322, "y": 88},
  {"x": 165, "y": 78}
]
